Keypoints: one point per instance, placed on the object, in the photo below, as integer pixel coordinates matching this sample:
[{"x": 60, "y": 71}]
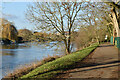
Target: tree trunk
[
  {"x": 115, "y": 22},
  {"x": 97, "y": 38},
  {"x": 67, "y": 48},
  {"x": 113, "y": 36}
]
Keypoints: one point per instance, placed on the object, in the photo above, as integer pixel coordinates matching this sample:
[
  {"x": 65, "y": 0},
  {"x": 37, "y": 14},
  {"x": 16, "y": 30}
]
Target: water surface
[{"x": 15, "y": 55}]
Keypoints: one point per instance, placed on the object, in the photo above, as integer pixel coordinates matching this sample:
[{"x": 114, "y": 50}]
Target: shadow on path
[
  {"x": 106, "y": 45},
  {"x": 102, "y": 59},
  {"x": 84, "y": 64},
  {"x": 88, "y": 67}
]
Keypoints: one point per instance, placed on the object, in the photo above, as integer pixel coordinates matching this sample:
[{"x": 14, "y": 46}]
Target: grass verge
[
  {"x": 25, "y": 69},
  {"x": 52, "y": 68}
]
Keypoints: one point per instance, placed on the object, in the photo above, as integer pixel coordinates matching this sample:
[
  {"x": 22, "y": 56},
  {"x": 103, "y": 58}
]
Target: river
[{"x": 16, "y": 55}]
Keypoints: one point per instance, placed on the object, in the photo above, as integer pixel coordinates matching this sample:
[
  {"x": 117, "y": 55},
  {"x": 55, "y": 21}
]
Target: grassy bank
[
  {"x": 52, "y": 68},
  {"x": 25, "y": 69}
]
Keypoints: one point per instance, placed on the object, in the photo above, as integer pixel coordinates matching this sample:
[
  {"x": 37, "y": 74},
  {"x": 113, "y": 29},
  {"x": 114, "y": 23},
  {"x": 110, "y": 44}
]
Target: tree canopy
[
  {"x": 25, "y": 34},
  {"x": 58, "y": 17},
  {"x": 8, "y": 30}
]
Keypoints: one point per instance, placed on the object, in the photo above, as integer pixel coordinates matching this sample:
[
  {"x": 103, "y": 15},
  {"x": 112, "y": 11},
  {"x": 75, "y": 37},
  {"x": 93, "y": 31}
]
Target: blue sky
[{"x": 15, "y": 12}]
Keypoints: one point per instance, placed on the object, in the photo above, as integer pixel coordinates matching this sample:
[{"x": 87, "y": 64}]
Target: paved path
[{"x": 102, "y": 63}]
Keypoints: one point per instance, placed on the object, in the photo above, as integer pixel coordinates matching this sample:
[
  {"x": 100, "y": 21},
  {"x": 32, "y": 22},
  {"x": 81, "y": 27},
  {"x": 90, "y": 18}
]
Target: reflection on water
[
  {"x": 10, "y": 46},
  {"x": 15, "y": 55},
  {"x": 12, "y": 49}
]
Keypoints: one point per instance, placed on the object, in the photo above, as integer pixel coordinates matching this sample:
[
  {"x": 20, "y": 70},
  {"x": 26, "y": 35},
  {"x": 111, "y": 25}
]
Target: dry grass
[{"x": 29, "y": 67}]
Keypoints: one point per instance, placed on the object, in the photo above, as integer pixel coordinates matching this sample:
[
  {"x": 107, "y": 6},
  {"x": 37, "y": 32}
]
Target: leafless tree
[
  {"x": 96, "y": 18},
  {"x": 58, "y": 17}
]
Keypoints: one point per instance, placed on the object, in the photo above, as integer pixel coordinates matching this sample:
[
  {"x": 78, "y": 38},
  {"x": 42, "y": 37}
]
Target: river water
[{"x": 15, "y": 55}]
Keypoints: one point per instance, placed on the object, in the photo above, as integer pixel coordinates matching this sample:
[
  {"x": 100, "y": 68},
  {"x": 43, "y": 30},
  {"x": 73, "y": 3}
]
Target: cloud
[
  {"x": 13, "y": 18},
  {"x": 9, "y": 16}
]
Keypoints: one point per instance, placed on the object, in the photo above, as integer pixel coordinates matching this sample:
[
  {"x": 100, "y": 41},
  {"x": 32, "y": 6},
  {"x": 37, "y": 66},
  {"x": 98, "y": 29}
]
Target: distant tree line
[
  {"x": 9, "y": 34},
  {"x": 8, "y": 31}
]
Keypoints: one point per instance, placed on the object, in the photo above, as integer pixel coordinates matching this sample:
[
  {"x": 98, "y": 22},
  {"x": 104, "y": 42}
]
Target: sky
[{"x": 15, "y": 12}]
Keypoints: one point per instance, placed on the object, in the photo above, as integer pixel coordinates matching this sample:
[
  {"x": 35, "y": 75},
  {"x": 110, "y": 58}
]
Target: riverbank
[
  {"x": 20, "y": 57},
  {"x": 25, "y": 69},
  {"x": 50, "y": 69},
  {"x": 52, "y": 66}
]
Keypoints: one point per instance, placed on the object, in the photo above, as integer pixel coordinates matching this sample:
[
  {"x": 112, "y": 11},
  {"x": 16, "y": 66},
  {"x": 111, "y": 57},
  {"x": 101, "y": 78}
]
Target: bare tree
[
  {"x": 58, "y": 17},
  {"x": 96, "y": 18}
]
